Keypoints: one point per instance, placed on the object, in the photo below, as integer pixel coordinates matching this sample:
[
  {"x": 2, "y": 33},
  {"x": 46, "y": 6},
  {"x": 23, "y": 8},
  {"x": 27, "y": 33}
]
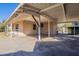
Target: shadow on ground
[{"x": 63, "y": 47}]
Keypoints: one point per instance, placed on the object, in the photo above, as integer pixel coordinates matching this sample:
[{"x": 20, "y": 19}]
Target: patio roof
[{"x": 60, "y": 11}]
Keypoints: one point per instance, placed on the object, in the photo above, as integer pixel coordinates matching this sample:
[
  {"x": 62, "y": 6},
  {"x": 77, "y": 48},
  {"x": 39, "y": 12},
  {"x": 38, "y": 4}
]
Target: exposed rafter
[
  {"x": 37, "y": 13},
  {"x": 64, "y": 11},
  {"x": 51, "y": 7},
  {"x": 9, "y": 18},
  {"x": 28, "y": 6},
  {"x": 35, "y": 20}
]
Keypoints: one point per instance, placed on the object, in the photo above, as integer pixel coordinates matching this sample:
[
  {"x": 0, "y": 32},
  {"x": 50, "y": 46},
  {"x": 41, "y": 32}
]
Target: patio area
[
  {"x": 30, "y": 46},
  {"x": 10, "y": 44}
]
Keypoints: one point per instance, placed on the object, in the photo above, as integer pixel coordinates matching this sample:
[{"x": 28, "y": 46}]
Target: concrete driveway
[{"x": 51, "y": 46}]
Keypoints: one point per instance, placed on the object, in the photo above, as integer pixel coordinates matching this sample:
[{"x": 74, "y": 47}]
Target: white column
[
  {"x": 48, "y": 28},
  {"x": 39, "y": 29},
  {"x": 7, "y": 30},
  {"x": 65, "y": 29},
  {"x": 62, "y": 29},
  {"x": 74, "y": 29},
  {"x": 55, "y": 27},
  {"x": 11, "y": 29}
]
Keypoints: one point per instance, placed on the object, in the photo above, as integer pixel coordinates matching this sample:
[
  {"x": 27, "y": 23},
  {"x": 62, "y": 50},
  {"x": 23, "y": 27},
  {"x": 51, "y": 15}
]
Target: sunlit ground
[
  {"x": 29, "y": 45},
  {"x": 2, "y": 35},
  {"x": 12, "y": 44}
]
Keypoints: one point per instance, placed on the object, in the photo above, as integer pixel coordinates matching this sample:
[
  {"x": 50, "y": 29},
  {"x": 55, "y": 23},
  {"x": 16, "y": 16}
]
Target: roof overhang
[
  {"x": 9, "y": 18},
  {"x": 60, "y": 11}
]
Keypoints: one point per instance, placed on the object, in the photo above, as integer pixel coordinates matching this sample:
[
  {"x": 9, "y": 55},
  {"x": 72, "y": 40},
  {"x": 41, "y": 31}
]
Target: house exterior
[
  {"x": 70, "y": 28},
  {"x": 42, "y": 18},
  {"x": 25, "y": 25}
]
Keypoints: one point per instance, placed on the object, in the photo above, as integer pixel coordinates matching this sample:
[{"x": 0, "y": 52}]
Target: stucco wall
[
  {"x": 28, "y": 27},
  {"x": 45, "y": 28},
  {"x": 51, "y": 27},
  {"x": 20, "y": 32}
]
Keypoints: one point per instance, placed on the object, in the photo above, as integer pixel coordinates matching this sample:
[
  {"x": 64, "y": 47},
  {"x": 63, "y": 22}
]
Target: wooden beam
[
  {"x": 39, "y": 29},
  {"x": 35, "y": 20},
  {"x": 64, "y": 13},
  {"x": 51, "y": 7},
  {"x": 28, "y": 6},
  {"x": 9, "y": 18},
  {"x": 33, "y": 12},
  {"x": 48, "y": 28}
]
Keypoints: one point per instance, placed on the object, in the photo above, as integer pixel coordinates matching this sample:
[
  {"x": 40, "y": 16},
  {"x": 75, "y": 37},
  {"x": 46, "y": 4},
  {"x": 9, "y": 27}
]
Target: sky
[{"x": 6, "y": 9}]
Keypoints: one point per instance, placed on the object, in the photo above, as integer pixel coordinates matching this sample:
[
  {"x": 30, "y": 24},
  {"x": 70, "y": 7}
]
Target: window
[
  {"x": 34, "y": 27},
  {"x": 8, "y": 25},
  {"x": 76, "y": 23},
  {"x": 17, "y": 27},
  {"x": 42, "y": 25}
]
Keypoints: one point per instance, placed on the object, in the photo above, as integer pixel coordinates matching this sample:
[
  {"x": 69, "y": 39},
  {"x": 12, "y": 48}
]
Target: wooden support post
[
  {"x": 39, "y": 30},
  {"x": 55, "y": 27},
  {"x": 74, "y": 30},
  {"x": 11, "y": 29},
  {"x": 48, "y": 28}
]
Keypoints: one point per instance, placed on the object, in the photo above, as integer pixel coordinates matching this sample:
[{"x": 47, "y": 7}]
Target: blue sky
[{"x": 6, "y": 9}]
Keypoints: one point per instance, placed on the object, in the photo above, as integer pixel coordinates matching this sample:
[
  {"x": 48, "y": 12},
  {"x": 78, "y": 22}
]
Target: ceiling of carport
[
  {"x": 63, "y": 12},
  {"x": 41, "y": 6},
  {"x": 53, "y": 12},
  {"x": 56, "y": 13},
  {"x": 72, "y": 10}
]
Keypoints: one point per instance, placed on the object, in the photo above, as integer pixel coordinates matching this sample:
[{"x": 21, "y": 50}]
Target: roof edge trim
[{"x": 8, "y": 19}]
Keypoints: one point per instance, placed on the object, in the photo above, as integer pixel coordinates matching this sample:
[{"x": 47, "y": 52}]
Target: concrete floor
[
  {"x": 13, "y": 44},
  {"x": 51, "y": 46}
]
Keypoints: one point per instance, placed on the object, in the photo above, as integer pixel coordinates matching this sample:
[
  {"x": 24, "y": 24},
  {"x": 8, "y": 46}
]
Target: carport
[
  {"x": 50, "y": 11},
  {"x": 58, "y": 12}
]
